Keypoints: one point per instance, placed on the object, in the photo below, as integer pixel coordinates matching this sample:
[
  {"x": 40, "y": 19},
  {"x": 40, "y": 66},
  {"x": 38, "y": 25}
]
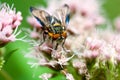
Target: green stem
[{"x": 5, "y": 75}]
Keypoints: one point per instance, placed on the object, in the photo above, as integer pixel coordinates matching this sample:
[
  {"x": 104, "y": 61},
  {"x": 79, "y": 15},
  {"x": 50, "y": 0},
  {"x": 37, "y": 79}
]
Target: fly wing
[
  {"x": 63, "y": 14},
  {"x": 42, "y": 16}
]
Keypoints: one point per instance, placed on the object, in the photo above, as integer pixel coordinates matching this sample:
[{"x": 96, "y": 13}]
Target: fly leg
[
  {"x": 64, "y": 46},
  {"x": 56, "y": 46},
  {"x": 43, "y": 39}
]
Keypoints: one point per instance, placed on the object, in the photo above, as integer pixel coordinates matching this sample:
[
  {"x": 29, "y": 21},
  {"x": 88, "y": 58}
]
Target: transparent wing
[
  {"x": 63, "y": 14},
  {"x": 43, "y": 17}
]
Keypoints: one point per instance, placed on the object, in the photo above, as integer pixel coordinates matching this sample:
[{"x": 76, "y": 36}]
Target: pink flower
[
  {"x": 98, "y": 19},
  {"x": 78, "y": 64},
  {"x": 84, "y": 7},
  {"x": 93, "y": 44},
  {"x": 89, "y": 7},
  {"x": 45, "y": 76},
  {"x": 108, "y": 52},
  {"x": 9, "y": 22},
  {"x": 46, "y": 47},
  {"x": 33, "y": 22},
  {"x": 88, "y": 24},
  {"x": 68, "y": 75},
  {"x": 117, "y": 57},
  {"x": 34, "y": 35},
  {"x": 74, "y": 5},
  {"x": 91, "y": 54},
  {"x": 116, "y": 43}
]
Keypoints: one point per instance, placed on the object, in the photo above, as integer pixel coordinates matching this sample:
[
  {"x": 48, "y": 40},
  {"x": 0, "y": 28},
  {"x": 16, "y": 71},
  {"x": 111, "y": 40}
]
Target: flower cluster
[
  {"x": 92, "y": 50},
  {"x": 9, "y": 22}
]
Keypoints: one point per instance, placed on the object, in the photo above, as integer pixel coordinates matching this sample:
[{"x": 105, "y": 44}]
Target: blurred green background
[{"x": 16, "y": 67}]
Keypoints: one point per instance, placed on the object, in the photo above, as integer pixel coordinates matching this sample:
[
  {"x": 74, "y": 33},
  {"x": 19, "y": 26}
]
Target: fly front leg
[{"x": 43, "y": 38}]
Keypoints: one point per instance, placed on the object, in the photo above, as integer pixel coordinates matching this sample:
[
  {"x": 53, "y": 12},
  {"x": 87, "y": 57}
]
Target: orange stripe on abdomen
[{"x": 55, "y": 36}]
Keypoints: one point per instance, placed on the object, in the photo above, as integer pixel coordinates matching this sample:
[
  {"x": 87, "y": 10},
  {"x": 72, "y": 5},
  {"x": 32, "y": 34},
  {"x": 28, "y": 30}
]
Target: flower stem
[{"x": 5, "y": 75}]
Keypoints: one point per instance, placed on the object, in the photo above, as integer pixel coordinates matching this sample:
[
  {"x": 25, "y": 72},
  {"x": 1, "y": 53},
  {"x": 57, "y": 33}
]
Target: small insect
[{"x": 54, "y": 26}]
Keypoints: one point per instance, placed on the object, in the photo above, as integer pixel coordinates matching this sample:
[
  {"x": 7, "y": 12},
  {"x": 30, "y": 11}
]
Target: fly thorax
[{"x": 58, "y": 29}]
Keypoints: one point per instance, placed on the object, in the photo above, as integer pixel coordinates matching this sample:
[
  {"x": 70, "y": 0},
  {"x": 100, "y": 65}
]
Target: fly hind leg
[
  {"x": 56, "y": 46},
  {"x": 63, "y": 46}
]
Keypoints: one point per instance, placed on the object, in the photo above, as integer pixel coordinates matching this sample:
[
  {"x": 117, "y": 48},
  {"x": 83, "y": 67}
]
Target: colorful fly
[{"x": 53, "y": 26}]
